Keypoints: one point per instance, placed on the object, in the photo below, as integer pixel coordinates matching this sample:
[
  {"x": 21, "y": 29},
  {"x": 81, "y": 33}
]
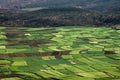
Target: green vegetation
[{"x": 60, "y": 53}]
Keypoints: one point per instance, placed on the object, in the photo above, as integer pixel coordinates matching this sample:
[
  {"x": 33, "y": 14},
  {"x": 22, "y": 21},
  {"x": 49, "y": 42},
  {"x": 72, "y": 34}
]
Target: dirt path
[{"x": 57, "y": 54}]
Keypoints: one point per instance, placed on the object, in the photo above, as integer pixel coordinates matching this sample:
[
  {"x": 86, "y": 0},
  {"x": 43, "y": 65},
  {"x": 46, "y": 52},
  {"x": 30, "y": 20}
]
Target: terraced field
[{"x": 65, "y": 53}]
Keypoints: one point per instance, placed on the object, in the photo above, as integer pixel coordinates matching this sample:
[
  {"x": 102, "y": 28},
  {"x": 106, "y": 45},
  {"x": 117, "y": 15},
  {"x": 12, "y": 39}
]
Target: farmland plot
[{"x": 65, "y": 53}]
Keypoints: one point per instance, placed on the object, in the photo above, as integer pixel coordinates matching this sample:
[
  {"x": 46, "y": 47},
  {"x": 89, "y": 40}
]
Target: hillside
[
  {"x": 68, "y": 16},
  {"x": 59, "y": 39},
  {"x": 93, "y": 4},
  {"x": 59, "y": 12},
  {"x": 63, "y": 53}
]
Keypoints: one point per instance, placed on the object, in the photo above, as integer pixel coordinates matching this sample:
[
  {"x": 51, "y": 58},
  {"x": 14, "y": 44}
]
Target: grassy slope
[{"x": 69, "y": 53}]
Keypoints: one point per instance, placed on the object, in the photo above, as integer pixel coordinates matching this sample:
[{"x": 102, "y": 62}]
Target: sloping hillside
[
  {"x": 60, "y": 12},
  {"x": 93, "y": 4},
  {"x": 61, "y": 17}
]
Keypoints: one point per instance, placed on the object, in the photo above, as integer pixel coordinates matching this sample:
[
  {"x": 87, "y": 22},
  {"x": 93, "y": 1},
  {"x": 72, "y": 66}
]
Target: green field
[{"x": 63, "y": 53}]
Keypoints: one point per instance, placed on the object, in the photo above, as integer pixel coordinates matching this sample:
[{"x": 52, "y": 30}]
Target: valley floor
[{"x": 63, "y": 53}]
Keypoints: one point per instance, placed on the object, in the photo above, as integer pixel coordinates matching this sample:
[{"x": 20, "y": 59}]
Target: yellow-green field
[{"x": 64, "y": 53}]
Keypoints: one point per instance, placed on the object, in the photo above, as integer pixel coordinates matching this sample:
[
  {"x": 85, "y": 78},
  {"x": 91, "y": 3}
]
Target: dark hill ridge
[
  {"x": 69, "y": 16},
  {"x": 89, "y": 4},
  {"x": 39, "y": 13}
]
